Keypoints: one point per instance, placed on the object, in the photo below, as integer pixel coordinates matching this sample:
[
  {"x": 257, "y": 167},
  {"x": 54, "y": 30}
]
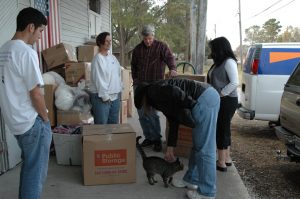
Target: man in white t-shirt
[{"x": 21, "y": 102}]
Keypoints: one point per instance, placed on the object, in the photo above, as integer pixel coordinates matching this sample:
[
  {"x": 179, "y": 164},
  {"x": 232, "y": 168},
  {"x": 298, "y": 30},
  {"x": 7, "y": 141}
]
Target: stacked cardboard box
[
  {"x": 49, "y": 101},
  {"x": 58, "y": 55},
  {"x": 75, "y": 72},
  {"x": 86, "y": 53},
  {"x": 74, "y": 117}
]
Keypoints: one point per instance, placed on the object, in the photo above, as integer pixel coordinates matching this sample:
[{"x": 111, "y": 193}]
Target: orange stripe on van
[{"x": 282, "y": 56}]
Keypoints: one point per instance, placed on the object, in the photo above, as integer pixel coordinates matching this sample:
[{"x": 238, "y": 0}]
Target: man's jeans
[
  {"x": 202, "y": 162},
  {"x": 150, "y": 124},
  {"x": 35, "y": 146},
  {"x": 105, "y": 112}
]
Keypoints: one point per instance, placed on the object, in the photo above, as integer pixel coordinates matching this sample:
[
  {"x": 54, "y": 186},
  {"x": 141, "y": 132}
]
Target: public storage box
[
  {"x": 86, "y": 53},
  {"x": 74, "y": 117},
  {"x": 68, "y": 148},
  {"x": 49, "y": 90},
  {"x": 109, "y": 154},
  {"x": 76, "y": 72},
  {"x": 59, "y": 54}
]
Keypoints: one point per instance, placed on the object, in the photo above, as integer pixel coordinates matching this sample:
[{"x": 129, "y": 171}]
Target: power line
[
  {"x": 267, "y": 8},
  {"x": 282, "y": 7}
]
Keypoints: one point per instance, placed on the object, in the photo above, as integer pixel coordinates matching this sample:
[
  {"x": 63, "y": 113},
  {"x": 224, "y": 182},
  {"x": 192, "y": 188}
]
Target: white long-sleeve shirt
[
  {"x": 232, "y": 72},
  {"x": 106, "y": 77}
]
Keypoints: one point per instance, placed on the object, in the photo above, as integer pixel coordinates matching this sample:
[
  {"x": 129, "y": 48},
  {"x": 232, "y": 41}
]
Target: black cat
[{"x": 156, "y": 165}]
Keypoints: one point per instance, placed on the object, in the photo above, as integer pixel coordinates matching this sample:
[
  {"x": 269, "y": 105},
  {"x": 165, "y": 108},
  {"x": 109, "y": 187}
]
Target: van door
[{"x": 249, "y": 84}]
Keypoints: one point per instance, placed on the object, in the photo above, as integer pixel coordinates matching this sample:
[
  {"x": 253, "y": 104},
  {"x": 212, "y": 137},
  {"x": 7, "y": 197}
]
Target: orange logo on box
[{"x": 111, "y": 157}]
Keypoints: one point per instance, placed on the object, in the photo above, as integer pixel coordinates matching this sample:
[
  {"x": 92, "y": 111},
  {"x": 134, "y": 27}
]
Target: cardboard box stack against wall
[
  {"x": 62, "y": 59},
  {"x": 111, "y": 146},
  {"x": 184, "y": 142}
]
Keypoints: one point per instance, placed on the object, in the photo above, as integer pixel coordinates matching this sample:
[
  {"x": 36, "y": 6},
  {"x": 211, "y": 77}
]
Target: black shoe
[
  {"x": 146, "y": 143},
  {"x": 222, "y": 169},
  {"x": 157, "y": 146},
  {"x": 228, "y": 164}
]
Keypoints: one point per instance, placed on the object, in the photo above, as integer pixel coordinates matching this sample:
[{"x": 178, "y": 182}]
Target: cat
[{"x": 156, "y": 165}]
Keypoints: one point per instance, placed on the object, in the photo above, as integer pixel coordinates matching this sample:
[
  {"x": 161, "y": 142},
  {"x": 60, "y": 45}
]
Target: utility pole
[
  {"x": 193, "y": 33},
  {"x": 241, "y": 40},
  {"x": 201, "y": 36},
  {"x": 215, "y": 30}
]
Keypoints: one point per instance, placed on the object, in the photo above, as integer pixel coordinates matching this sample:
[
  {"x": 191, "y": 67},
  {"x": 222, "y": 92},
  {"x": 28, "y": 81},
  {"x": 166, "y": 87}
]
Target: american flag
[{"x": 51, "y": 34}]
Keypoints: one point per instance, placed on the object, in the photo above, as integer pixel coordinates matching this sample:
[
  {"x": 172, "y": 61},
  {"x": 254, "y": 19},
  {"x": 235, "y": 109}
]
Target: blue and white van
[{"x": 266, "y": 70}]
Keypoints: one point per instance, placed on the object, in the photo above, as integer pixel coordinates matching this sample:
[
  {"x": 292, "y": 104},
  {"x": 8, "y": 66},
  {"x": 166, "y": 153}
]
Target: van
[
  {"x": 266, "y": 70},
  {"x": 289, "y": 131}
]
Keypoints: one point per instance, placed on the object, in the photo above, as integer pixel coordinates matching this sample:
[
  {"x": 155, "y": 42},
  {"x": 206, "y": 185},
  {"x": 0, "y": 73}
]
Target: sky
[{"x": 223, "y": 18}]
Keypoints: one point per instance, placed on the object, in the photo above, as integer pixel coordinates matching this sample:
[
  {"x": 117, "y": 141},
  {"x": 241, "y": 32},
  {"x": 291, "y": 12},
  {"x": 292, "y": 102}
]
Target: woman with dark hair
[
  {"x": 196, "y": 105},
  {"x": 223, "y": 76},
  {"x": 106, "y": 83}
]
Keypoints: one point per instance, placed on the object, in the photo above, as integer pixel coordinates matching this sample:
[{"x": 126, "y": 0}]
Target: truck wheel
[{"x": 272, "y": 124}]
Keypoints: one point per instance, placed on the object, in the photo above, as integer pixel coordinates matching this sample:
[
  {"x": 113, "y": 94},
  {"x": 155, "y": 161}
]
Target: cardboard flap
[{"x": 107, "y": 129}]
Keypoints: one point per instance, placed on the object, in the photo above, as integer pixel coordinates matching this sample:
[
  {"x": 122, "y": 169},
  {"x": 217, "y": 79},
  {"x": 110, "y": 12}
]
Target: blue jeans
[
  {"x": 202, "y": 162},
  {"x": 35, "y": 147},
  {"x": 105, "y": 112},
  {"x": 150, "y": 123}
]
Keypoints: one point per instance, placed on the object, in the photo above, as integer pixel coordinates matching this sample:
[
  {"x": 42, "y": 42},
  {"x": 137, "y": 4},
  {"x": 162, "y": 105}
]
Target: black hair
[
  {"x": 100, "y": 40},
  {"x": 30, "y": 16},
  {"x": 221, "y": 50}
]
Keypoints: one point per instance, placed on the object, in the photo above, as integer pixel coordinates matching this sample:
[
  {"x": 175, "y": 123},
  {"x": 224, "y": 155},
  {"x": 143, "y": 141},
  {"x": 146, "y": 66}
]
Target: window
[
  {"x": 295, "y": 77},
  {"x": 95, "y": 5}
]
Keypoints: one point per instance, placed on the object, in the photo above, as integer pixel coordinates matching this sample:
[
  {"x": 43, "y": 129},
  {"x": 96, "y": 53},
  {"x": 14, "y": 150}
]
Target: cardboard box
[
  {"x": 109, "y": 154},
  {"x": 60, "y": 70},
  {"x": 130, "y": 105},
  {"x": 126, "y": 84},
  {"x": 59, "y": 54},
  {"x": 74, "y": 117},
  {"x": 68, "y": 148},
  {"x": 184, "y": 140},
  {"x": 49, "y": 91},
  {"x": 123, "y": 112},
  {"x": 86, "y": 53},
  {"x": 200, "y": 78},
  {"x": 76, "y": 72}
]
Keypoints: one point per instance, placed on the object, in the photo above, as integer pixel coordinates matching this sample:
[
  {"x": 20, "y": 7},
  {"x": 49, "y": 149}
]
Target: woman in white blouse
[
  {"x": 106, "y": 83},
  {"x": 223, "y": 76}
]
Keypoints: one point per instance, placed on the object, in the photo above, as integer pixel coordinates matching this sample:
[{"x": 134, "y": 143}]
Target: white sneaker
[
  {"x": 192, "y": 194},
  {"x": 181, "y": 184}
]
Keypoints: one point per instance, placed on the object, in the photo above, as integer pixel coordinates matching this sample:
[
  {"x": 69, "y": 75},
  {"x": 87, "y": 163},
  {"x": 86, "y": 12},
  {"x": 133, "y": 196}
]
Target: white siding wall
[
  {"x": 8, "y": 13},
  {"x": 9, "y": 10},
  {"x": 105, "y": 16},
  {"x": 74, "y": 21}
]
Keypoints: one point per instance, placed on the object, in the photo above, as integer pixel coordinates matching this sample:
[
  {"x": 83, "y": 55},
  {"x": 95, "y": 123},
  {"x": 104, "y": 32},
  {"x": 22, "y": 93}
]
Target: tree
[
  {"x": 253, "y": 34},
  {"x": 268, "y": 33},
  {"x": 128, "y": 16},
  {"x": 172, "y": 27},
  {"x": 271, "y": 29},
  {"x": 290, "y": 34}
]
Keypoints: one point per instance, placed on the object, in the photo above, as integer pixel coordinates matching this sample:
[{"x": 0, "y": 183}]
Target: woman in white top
[
  {"x": 223, "y": 76},
  {"x": 106, "y": 83}
]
